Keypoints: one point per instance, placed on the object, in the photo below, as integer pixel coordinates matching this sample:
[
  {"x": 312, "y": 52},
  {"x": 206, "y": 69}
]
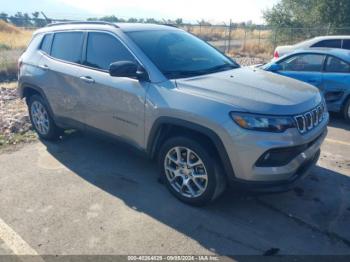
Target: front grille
[{"x": 310, "y": 119}]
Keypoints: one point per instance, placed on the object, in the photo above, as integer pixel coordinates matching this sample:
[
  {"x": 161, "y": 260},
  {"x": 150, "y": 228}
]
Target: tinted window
[
  {"x": 179, "y": 54},
  {"x": 67, "y": 46},
  {"x": 337, "y": 66},
  {"x": 346, "y": 44},
  {"x": 46, "y": 43},
  {"x": 104, "y": 49},
  {"x": 329, "y": 43},
  {"x": 306, "y": 62}
]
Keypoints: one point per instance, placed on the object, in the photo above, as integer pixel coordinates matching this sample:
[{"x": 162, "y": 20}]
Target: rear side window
[
  {"x": 332, "y": 43},
  {"x": 304, "y": 63},
  {"x": 104, "y": 49},
  {"x": 336, "y": 65},
  {"x": 46, "y": 43},
  {"x": 346, "y": 44},
  {"x": 67, "y": 46}
]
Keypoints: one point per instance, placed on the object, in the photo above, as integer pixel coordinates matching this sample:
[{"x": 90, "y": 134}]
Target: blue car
[{"x": 327, "y": 69}]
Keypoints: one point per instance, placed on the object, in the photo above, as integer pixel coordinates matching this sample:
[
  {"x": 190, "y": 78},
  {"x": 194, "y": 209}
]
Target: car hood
[{"x": 254, "y": 90}]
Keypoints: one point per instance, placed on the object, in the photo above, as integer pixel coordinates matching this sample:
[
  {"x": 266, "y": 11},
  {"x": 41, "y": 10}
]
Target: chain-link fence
[
  {"x": 257, "y": 40},
  {"x": 254, "y": 39}
]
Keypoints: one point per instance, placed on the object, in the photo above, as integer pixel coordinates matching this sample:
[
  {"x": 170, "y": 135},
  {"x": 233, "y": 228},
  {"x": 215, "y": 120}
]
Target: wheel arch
[
  {"x": 26, "y": 90},
  {"x": 165, "y": 127}
]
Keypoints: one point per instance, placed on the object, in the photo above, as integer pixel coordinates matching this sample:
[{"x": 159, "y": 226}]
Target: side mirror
[
  {"x": 275, "y": 67},
  {"x": 128, "y": 69}
]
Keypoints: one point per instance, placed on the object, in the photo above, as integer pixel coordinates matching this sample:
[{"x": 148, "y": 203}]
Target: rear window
[
  {"x": 336, "y": 65},
  {"x": 46, "y": 43},
  {"x": 332, "y": 43},
  {"x": 346, "y": 44},
  {"x": 67, "y": 46}
]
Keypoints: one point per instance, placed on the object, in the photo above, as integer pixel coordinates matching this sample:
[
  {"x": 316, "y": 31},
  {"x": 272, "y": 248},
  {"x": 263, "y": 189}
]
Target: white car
[{"x": 321, "y": 41}]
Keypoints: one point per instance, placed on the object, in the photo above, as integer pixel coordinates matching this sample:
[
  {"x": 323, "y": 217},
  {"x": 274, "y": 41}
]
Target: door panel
[
  {"x": 111, "y": 104},
  {"x": 336, "y": 84},
  {"x": 61, "y": 84},
  {"x": 312, "y": 78},
  {"x": 60, "y": 80},
  {"x": 114, "y": 104}
]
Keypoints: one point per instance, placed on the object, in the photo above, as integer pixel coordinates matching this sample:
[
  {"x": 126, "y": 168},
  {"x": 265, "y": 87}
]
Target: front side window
[
  {"x": 334, "y": 43},
  {"x": 179, "y": 54},
  {"x": 46, "y": 43},
  {"x": 104, "y": 49},
  {"x": 303, "y": 62},
  {"x": 346, "y": 44},
  {"x": 67, "y": 46},
  {"x": 336, "y": 65}
]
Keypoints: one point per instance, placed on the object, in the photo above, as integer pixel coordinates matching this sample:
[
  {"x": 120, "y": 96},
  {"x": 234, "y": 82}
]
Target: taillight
[{"x": 276, "y": 54}]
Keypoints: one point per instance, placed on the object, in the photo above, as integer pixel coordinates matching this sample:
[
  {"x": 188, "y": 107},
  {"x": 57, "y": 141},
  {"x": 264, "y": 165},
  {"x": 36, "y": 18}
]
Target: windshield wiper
[
  {"x": 220, "y": 68},
  {"x": 178, "y": 74}
]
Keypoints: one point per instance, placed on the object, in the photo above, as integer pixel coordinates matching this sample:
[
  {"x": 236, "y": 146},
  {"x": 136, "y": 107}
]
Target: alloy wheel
[
  {"x": 40, "y": 118},
  {"x": 186, "y": 172}
]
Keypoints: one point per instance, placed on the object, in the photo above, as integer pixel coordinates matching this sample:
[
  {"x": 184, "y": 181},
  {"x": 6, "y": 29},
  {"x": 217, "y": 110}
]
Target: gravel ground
[
  {"x": 14, "y": 119},
  {"x": 248, "y": 61}
]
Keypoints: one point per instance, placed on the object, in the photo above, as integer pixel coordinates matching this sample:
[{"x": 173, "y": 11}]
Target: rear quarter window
[
  {"x": 335, "y": 65},
  {"x": 46, "y": 43},
  {"x": 67, "y": 46},
  {"x": 331, "y": 43},
  {"x": 34, "y": 43}
]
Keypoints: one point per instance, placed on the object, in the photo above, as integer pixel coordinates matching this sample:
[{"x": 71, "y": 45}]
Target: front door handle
[
  {"x": 87, "y": 79},
  {"x": 44, "y": 67}
]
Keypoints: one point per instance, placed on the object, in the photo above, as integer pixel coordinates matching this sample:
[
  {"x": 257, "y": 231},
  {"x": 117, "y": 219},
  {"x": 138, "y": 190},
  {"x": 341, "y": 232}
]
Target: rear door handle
[
  {"x": 44, "y": 67},
  {"x": 87, "y": 79}
]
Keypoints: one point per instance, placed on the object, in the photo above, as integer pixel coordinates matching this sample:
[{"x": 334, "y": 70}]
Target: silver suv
[{"x": 207, "y": 121}]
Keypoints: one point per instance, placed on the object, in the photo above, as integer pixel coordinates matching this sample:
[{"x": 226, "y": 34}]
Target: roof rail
[{"x": 83, "y": 22}]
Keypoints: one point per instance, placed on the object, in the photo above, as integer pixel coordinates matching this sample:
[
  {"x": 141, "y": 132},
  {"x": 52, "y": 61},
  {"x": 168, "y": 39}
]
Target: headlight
[{"x": 263, "y": 122}]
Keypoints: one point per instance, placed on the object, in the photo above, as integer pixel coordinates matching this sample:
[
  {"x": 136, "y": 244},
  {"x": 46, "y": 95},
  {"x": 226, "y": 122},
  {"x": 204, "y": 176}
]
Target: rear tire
[
  {"x": 191, "y": 174},
  {"x": 41, "y": 120},
  {"x": 346, "y": 111}
]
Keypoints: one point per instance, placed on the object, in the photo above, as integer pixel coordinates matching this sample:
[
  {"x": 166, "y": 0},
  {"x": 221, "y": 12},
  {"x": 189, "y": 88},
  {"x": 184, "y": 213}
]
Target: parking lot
[{"x": 84, "y": 195}]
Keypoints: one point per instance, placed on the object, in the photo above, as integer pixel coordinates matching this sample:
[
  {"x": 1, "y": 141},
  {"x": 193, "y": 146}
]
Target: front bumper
[
  {"x": 279, "y": 186},
  {"x": 245, "y": 148}
]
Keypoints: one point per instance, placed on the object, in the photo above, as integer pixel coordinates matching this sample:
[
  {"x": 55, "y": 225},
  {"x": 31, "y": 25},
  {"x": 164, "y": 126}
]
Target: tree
[
  {"x": 309, "y": 13},
  {"x": 3, "y": 16},
  {"x": 132, "y": 20},
  {"x": 179, "y": 21},
  {"x": 21, "y": 19},
  {"x": 38, "y": 22}
]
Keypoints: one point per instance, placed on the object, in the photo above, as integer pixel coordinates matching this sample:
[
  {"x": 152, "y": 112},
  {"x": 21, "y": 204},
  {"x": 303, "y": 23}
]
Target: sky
[{"x": 190, "y": 10}]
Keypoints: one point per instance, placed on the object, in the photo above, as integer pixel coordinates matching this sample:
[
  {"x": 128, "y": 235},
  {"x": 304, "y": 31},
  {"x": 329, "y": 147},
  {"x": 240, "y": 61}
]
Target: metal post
[
  {"x": 275, "y": 39},
  {"x": 245, "y": 38},
  {"x": 229, "y": 37},
  {"x": 259, "y": 28}
]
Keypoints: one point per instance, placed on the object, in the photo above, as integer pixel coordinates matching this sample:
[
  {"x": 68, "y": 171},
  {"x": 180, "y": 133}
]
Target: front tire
[
  {"x": 190, "y": 172},
  {"x": 41, "y": 119}
]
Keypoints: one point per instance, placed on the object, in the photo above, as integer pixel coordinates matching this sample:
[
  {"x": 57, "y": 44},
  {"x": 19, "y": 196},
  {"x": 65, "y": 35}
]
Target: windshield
[{"x": 179, "y": 54}]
